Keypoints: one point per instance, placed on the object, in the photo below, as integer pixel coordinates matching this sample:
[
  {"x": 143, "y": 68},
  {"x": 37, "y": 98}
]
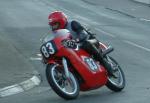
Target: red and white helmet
[{"x": 57, "y": 20}]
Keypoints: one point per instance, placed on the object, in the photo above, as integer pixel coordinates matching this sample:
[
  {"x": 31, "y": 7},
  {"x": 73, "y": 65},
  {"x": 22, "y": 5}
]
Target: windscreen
[{"x": 52, "y": 35}]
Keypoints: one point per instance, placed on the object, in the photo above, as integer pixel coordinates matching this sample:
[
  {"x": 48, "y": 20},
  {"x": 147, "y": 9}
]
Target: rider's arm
[
  {"x": 76, "y": 26},
  {"x": 80, "y": 30}
]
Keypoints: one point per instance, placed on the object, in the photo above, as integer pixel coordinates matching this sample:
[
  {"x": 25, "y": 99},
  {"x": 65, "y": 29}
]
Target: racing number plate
[
  {"x": 93, "y": 66},
  {"x": 48, "y": 49}
]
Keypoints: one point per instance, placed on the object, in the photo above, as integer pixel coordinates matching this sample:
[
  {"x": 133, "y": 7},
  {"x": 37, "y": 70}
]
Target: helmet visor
[{"x": 55, "y": 26}]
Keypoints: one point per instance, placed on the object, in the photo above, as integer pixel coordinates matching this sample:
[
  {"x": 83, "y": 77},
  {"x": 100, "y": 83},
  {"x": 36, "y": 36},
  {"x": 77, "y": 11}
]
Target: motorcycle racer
[{"x": 58, "y": 20}]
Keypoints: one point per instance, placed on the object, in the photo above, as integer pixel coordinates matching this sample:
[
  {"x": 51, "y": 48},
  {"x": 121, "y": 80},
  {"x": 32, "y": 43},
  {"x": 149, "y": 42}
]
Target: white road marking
[
  {"x": 113, "y": 36},
  {"x": 136, "y": 45},
  {"x": 10, "y": 90},
  {"x": 28, "y": 84},
  {"x": 143, "y": 19},
  {"x": 39, "y": 55},
  {"x": 21, "y": 87},
  {"x": 36, "y": 58}
]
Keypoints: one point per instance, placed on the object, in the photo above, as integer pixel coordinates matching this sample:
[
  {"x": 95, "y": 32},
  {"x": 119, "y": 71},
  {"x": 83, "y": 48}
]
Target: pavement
[
  {"x": 130, "y": 8},
  {"x": 16, "y": 72},
  {"x": 143, "y": 1}
]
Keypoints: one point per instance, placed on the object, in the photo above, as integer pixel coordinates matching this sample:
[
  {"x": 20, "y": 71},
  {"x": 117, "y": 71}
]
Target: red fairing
[
  {"x": 57, "y": 43},
  {"x": 92, "y": 79}
]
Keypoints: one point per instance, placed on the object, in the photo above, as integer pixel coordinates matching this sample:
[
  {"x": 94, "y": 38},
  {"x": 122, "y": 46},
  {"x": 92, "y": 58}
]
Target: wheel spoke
[
  {"x": 64, "y": 84},
  {"x": 118, "y": 80},
  {"x": 64, "y": 89}
]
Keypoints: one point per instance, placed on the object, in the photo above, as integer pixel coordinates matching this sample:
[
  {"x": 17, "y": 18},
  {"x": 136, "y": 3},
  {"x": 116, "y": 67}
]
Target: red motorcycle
[{"x": 71, "y": 70}]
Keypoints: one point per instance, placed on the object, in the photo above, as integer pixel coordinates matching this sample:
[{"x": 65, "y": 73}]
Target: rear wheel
[
  {"x": 116, "y": 83},
  {"x": 67, "y": 88}
]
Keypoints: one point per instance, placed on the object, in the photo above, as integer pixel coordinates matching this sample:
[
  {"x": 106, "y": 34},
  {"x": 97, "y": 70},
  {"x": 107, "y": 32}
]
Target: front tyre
[
  {"x": 67, "y": 88},
  {"x": 116, "y": 83}
]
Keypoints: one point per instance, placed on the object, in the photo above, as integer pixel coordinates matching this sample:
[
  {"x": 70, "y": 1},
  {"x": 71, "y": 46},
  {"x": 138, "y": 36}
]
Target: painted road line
[
  {"x": 10, "y": 90},
  {"x": 28, "y": 84},
  {"x": 142, "y": 19},
  {"x": 39, "y": 58},
  {"x": 136, "y": 45},
  {"x": 36, "y": 58},
  {"x": 21, "y": 87},
  {"x": 39, "y": 54},
  {"x": 100, "y": 30}
]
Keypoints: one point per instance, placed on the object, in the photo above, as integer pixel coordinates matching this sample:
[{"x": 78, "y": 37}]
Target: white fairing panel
[{"x": 60, "y": 32}]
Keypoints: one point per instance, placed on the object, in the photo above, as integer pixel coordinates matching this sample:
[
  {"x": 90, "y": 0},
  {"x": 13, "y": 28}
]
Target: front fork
[
  {"x": 65, "y": 65},
  {"x": 106, "y": 50}
]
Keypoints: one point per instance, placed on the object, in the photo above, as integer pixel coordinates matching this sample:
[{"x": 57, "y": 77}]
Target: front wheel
[
  {"x": 67, "y": 88},
  {"x": 116, "y": 83}
]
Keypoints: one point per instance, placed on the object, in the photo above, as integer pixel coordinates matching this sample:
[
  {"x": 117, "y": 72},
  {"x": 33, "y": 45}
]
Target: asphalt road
[{"x": 25, "y": 22}]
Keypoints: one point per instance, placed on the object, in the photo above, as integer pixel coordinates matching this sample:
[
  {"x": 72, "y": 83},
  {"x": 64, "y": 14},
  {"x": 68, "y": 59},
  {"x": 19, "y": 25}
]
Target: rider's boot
[{"x": 98, "y": 56}]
